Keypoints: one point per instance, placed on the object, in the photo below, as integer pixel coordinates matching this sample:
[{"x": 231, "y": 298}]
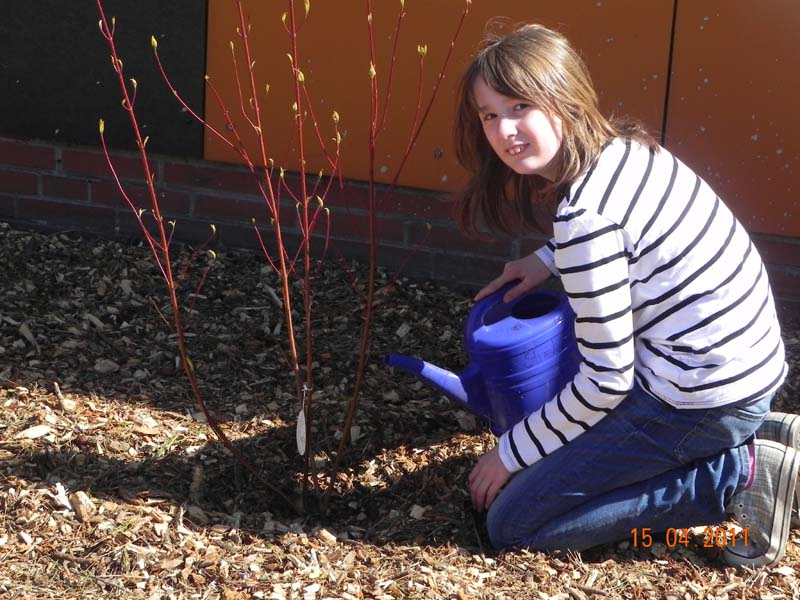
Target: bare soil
[{"x": 113, "y": 486}]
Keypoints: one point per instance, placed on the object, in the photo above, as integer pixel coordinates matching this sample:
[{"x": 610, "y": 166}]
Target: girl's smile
[{"x": 525, "y": 137}]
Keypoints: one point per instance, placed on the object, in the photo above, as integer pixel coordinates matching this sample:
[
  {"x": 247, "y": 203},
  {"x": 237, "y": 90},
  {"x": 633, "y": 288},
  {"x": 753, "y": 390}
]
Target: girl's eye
[
  {"x": 488, "y": 117},
  {"x": 521, "y": 106}
]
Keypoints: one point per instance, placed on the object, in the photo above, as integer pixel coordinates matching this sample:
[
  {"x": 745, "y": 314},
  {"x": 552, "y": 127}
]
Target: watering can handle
[{"x": 475, "y": 317}]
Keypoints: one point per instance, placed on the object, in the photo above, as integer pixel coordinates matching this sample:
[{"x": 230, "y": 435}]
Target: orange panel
[
  {"x": 733, "y": 106},
  {"x": 625, "y": 42}
]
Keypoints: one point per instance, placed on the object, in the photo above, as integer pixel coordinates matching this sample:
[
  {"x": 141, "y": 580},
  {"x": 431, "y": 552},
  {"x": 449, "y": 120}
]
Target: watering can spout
[
  {"x": 448, "y": 382},
  {"x": 521, "y": 354}
]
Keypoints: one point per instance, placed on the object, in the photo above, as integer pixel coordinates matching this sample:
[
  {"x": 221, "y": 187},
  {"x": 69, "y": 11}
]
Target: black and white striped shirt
[{"x": 668, "y": 290}]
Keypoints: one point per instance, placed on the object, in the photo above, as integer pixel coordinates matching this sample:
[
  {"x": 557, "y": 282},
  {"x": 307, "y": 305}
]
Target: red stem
[
  {"x": 365, "y": 332},
  {"x": 265, "y": 194},
  {"x": 415, "y": 133},
  {"x": 276, "y": 224},
  {"x": 400, "y": 16},
  {"x": 363, "y": 352},
  {"x": 321, "y": 142},
  {"x": 195, "y": 253},
  {"x": 183, "y": 103},
  {"x": 239, "y": 87},
  {"x": 264, "y": 248},
  {"x": 154, "y": 246},
  {"x": 166, "y": 261},
  {"x": 306, "y": 243}
]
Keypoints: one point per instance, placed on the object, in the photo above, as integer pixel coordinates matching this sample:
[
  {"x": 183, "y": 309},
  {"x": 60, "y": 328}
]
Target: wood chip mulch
[{"x": 112, "y": 486}]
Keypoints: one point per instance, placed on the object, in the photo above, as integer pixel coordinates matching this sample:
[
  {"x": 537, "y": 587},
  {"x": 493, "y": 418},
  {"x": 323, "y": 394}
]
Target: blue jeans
[{"x": 646, "y": 464}]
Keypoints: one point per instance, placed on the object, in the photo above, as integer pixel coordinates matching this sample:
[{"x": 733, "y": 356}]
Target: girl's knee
[{"x": 503, "y": 531}]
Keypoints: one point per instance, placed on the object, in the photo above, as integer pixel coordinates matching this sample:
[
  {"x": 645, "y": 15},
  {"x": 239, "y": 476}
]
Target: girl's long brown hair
[{"x": 535, "y": 64}]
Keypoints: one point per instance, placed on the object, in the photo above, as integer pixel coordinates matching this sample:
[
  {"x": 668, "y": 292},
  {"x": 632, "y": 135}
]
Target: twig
[
  {"x": 591, "y": 590},
  {"x": 84, "y": 562}
]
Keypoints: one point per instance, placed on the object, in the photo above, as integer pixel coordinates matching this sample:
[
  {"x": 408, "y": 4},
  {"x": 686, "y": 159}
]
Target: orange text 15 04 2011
[{"x": 718, "y": 537}]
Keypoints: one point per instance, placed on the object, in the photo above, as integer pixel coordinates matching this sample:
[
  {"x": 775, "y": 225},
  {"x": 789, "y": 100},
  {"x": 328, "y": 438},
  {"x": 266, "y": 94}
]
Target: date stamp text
[{"x": 713, "y": 537}]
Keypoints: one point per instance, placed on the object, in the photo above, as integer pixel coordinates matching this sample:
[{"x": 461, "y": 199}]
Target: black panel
[{"x": 56, "y": 78}]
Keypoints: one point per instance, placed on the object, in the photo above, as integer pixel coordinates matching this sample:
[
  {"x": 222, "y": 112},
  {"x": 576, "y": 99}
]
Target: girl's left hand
[{"x": 486, "y": 479}]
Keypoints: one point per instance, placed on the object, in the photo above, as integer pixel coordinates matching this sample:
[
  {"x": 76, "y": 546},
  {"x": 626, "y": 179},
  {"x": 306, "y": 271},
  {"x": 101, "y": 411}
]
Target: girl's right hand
[{"x": 529, "y": 270}]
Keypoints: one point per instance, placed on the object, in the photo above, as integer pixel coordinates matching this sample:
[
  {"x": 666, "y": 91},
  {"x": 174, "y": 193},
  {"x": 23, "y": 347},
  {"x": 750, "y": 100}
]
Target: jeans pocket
[
  {"x": 720, "y": 428},
  {"x": 752, "y": 410}
]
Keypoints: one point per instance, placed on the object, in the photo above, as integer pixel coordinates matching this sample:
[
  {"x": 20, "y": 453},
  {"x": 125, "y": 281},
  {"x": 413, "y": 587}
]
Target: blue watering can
[{"x": 521, "y": 354}]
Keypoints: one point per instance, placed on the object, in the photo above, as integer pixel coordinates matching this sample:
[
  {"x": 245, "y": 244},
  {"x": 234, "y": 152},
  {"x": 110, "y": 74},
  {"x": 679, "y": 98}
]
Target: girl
[{"x": 675, "y": 321}]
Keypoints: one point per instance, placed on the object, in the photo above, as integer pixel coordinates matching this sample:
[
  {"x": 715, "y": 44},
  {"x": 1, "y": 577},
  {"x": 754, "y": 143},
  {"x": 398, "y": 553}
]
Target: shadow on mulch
[{"x": 425, "y": 505}]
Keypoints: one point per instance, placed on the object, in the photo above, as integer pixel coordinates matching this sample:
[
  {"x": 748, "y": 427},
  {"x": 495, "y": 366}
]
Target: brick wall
[
  {"x": 50, "y": 186},
  {"x": 58, "y": 187}
]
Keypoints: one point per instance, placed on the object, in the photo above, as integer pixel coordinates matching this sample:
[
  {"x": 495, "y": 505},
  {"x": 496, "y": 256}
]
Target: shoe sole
[
  {"x": 787, "y": 476},
  {"x": 785, "y": 430}
]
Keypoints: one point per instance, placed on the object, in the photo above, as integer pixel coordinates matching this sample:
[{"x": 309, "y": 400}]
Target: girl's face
[{"x": 525, "y": 137}]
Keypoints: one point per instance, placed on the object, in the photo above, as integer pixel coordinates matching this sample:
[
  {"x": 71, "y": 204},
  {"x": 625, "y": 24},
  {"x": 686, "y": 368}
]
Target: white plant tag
[{"x": 301, "y": 433}]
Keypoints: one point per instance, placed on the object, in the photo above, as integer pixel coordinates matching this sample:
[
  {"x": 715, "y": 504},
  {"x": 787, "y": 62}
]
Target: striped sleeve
[
  {"x": 591, "y": 254},
  {"x": 546, "y": 255}
]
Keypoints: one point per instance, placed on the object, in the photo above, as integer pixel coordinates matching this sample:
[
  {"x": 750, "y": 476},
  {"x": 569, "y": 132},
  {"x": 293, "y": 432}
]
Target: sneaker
[
  {"x": 764, "y": 507},
  {"x": 784, "y": 428}
]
